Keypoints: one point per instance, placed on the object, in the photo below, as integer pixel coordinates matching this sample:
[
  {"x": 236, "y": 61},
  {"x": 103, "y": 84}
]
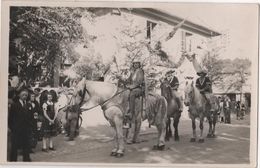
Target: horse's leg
[
  {"x": 193, "y": 138},
  {"x": 210, "y": 126},
  {"x": 161, "y": 136},
  {"x": 201, "y": 139},
  {"x": 67, "y": 128},
  {"x": 168, "y": 126},
  {"x": 116, "y": 147},
  {"x": 115, "y": 117},
  {"x": 130, "y": 135},
  {"x": 138, "y": 123},
  {"x": 175, "y": 124},
  {"x": 120, "y": 137},
  {"x": 170, "y": 129},
  {"x": 214, "y": 124},
  {"x": 64, "y": 123},
  {"x": 73, "y": 128}
]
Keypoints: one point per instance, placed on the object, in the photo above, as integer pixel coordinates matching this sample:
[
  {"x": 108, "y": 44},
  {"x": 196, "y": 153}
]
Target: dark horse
[{"x": 172, "y": 111}]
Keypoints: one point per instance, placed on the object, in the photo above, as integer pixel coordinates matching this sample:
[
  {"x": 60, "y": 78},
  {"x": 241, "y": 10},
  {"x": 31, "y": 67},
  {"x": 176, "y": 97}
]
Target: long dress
[{"x": 49, "y": 129}]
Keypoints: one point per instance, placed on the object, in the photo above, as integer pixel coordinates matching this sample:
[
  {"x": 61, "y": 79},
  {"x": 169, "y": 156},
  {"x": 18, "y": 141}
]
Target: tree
[
  {"x": 227, "y": 74},
  {"x": 38, "y": 36}
]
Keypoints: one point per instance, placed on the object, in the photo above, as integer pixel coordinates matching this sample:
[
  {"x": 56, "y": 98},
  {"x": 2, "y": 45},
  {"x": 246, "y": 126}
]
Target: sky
[{"x": 240, "y": 20}]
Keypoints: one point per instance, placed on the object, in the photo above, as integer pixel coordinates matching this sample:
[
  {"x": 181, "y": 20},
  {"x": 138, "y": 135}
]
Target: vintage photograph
[{"x": 155, "y": 83}]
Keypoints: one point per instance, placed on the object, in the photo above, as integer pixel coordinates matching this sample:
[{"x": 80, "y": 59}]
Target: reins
[
  {"x": 118, "y": 93},
  {"x": 67, "y": 103}
]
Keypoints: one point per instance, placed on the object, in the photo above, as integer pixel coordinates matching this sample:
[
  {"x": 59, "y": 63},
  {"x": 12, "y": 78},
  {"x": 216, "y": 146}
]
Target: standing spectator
[
  {"x": 243, "y": 112},
  {"x": 221, "y": 115},
  {"x": 19, "y": 124},
  {"x": 54, "y": 96},
  {"x": 49, "y": 129},
  {"x": 35, "y": 112},
  {"x": 37, "y": 92},
  {"x": 227, "y": 110},
  {"x": 43, "y": 97},
  {"x": 11, "y": 95},
  {"x": 238, "y": 109}
]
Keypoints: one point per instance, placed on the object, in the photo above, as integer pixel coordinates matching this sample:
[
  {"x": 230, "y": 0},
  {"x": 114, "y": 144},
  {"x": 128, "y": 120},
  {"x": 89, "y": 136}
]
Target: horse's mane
[{"x": 197, "y": 99}]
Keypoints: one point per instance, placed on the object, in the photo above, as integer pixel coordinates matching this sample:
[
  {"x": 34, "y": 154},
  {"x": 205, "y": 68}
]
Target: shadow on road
[{"x": 95, "y": 142}]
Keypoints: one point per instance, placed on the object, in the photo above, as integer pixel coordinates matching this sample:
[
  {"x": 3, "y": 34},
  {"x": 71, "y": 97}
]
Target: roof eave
[{"x": 155, "y": 14}]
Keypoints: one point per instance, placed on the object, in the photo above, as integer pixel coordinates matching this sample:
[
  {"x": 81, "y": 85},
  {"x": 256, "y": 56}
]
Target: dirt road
[{"x": 95, "y": 143}]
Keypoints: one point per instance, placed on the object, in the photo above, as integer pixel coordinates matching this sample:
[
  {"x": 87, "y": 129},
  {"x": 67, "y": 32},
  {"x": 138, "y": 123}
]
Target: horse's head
[
  {"x": 79, "y": 93},
  {"x": 165, "y": 89},
  {"x": 189, "y": 91}
]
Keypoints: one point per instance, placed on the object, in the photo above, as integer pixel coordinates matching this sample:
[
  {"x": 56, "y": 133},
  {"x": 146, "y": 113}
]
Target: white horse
[
  {"x": 114, "y": 103},
  {"x": 199, "y": 108}
]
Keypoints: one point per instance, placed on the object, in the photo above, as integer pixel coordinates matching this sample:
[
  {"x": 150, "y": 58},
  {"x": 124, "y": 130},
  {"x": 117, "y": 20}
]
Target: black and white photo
[{"x": 130, "y": 83}]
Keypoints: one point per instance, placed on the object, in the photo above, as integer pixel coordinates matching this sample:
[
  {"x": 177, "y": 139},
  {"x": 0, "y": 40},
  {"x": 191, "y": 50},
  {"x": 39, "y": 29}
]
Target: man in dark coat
[
  {"x": 173, "y": 84},
  {"x": 19, "y": 124}
]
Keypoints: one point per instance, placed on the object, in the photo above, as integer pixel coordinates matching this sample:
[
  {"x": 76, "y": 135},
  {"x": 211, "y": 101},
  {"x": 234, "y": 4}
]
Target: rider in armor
[
  {"x": 173, "y": 82},
  {"x": 136, "y": 86}
]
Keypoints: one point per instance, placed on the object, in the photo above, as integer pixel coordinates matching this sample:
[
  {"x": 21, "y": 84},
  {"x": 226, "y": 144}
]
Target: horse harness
[{"x": 104, "y": 107}]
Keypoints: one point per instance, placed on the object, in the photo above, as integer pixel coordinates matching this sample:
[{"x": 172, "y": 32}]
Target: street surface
[{"x": 95, "y": 143}]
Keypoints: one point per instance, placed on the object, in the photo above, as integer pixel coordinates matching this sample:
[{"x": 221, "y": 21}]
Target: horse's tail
[
  {"x": 215, "y": 102},
  {"x": 163, "y": 109}
]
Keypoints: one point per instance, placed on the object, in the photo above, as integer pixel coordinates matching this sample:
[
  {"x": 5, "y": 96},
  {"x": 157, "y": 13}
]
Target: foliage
[
  {"x": 227, "y": 74},
  {"x": 39, "y": 35}
]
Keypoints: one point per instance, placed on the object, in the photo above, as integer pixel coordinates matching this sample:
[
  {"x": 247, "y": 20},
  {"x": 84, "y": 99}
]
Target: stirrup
[{"x": 126, "y": 125}]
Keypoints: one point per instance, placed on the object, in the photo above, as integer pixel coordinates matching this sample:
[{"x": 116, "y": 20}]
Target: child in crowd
[
  {"x": 49, "y": 126},
  {"x": 34, "y": 113}
]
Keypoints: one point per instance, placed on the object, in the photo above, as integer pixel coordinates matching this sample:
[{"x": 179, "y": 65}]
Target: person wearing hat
[
  {"x": 19, "y": 124},
  {"x": 204, "y": 85},
  {"x": 173, "y": 83},
  {"x": 136, "y": 81}
]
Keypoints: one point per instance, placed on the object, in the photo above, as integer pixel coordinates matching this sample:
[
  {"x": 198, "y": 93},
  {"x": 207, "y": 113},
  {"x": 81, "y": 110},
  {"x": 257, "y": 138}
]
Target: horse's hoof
[
  {"x": 119, "y": 155},
  {"x": 113, "y": 154},
  {"x": 129, "y": 142},
  {"x": 213, "y": 136},
  {"x": 161, "y": 148},
  {"x": 167, "y": 138},
  {"x": 176, "y": 138},
  {"x": 155, "y": 147},
  {"x": 193, "y": 140},
  {"x": 137, "y": 141},
  {"x": 70, "y": 139},
  {"x": 201, "y": 140},
  {"x": 209, "y": 136}
]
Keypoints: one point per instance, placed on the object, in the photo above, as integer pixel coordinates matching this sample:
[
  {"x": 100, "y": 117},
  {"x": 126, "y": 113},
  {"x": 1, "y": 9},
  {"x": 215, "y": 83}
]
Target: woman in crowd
[{"x": 49, "y": 126}]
